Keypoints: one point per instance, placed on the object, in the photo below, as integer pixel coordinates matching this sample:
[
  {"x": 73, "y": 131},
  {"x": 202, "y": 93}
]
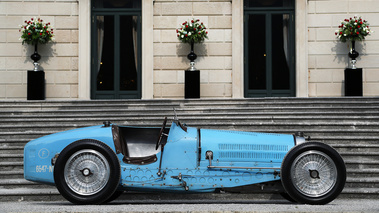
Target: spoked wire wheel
[
  {"x": 313, "y": 173},
  {"x": 307, "y": 170},
  {"x": 87, "y": 172}
]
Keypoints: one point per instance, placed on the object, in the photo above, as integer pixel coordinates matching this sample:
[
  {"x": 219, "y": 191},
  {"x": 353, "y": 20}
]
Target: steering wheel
[{"x": 159, "y": 141}]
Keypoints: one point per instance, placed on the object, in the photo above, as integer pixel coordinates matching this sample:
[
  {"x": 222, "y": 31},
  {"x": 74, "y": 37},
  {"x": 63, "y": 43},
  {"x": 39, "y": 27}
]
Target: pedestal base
[
  {"x": 36, "y": 85},
  {"x": 353, "y": 82},
  {"x": 192, "y": 84}
]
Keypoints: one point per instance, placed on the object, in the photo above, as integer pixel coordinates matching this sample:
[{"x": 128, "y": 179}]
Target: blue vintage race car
[{"x": 94, "y": 165}]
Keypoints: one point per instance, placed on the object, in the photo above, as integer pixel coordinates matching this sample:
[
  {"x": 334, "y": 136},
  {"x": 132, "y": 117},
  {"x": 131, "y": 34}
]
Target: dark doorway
[
  {"x": 116, "y": 49},
  {"x": 269, "y": 48}
]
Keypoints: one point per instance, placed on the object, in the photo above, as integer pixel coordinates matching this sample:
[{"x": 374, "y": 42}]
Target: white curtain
[
  {"x": 100, "y": 41},
  {"x": 135, "y": 40},
  {"x": 286, "y": 20}
]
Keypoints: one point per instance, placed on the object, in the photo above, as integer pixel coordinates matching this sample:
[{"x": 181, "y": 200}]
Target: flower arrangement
[
  {"x": 354, "y": 29},
  {"x": 192, "y": 31},
  {"x": 36, "y": 31}
]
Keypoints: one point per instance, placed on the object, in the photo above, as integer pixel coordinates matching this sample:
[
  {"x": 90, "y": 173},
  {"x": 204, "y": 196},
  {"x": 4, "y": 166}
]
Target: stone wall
[
  {"x": 214, "y": 55},
  {"x": 59, "y": 59},
  {"x": 328, "y": 56}
]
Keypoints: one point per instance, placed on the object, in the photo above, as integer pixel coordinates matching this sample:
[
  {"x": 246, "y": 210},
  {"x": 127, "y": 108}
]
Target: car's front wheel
[
  {"x": 87, "y": 172},
  {"x": 313, "y": 173}
]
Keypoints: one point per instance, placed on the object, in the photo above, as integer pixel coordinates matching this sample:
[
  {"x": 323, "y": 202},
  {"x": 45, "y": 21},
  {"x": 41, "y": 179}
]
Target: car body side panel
[
  {"x": 178, "y": 159},
  {"x": 182, "y": 169},
  {"x": 38, "y": 153}
]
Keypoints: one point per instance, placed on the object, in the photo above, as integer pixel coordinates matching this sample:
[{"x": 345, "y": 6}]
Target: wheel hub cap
[
  {"x": 314, "y": 173},
  {"x": 87, "y": 172}
]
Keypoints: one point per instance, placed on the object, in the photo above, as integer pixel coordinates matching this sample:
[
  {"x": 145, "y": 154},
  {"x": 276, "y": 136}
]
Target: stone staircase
[{"x": 351, "y": 125}]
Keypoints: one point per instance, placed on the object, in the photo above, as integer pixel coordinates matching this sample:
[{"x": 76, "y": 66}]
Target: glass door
[
  {"x": 116, "y": 52},
  {"x": 269, "y": 51}
]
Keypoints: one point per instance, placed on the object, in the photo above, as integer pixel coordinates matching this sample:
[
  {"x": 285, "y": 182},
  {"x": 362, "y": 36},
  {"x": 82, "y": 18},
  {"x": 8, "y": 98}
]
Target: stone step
[
  {"x": 254, "y": 111},
  {"x": 17, "y": 182},
  {"x": 11, "y": 157},
  {"x": 349, "y": 124},
  {"x": 11, "y": 166},
  {"x": 30, "y": 194},
  {"x": 362, "y": 193},
  {"x": 363, "y": 173},
  {"x": 362, "y": 182},
  {"x": 360, "y": 156},
  {"x": 5, "y": 149},
  {"x": 355, "y": 164},
  {"x": 14, "y": 174}
]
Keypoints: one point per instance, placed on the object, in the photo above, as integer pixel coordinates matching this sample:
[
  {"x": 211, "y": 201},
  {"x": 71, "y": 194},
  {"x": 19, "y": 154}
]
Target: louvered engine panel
[{"x": 256, "y": 152}]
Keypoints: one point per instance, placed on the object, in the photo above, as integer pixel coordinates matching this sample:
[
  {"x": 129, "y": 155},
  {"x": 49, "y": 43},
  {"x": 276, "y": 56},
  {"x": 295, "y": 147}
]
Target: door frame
[
  {"x": 116, "y": 93},
  {"x": 269, "y": 92}
]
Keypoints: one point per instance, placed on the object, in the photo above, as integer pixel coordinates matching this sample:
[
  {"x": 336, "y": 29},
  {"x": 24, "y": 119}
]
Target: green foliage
[
  {"x": 192, "y": 31},
  {"x": 354, "y": 29},
  {"x": 36, "y": 31}
]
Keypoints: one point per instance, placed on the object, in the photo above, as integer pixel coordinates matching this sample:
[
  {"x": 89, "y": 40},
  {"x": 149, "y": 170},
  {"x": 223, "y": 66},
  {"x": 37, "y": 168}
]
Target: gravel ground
[{"x": 339, "y": 205}]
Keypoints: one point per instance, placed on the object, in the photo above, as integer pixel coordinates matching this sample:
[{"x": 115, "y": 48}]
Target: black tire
[
  {"x": 87, "y": 172},
  {"x": 313, "y": 173},
  {"x": 287, "y": 197},
  {"x": 115, "y": 195}
]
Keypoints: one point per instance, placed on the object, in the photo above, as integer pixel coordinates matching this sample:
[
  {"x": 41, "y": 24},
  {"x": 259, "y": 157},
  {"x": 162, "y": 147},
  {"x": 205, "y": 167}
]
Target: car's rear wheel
[
  {"x": 87, "y": 172},
  {"x": 313, "y": 173}
]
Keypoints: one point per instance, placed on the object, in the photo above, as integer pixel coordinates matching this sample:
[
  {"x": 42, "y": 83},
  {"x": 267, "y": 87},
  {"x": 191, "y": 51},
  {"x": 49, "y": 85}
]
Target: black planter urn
[
  {"x": 353, "y": 55},
  {"x": 192, "y": 57},
  {"x": 353, "y": 75}
]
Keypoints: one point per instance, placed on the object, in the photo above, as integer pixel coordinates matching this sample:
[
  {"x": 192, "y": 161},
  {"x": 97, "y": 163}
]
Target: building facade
[{"x": 106, "y": 49}]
